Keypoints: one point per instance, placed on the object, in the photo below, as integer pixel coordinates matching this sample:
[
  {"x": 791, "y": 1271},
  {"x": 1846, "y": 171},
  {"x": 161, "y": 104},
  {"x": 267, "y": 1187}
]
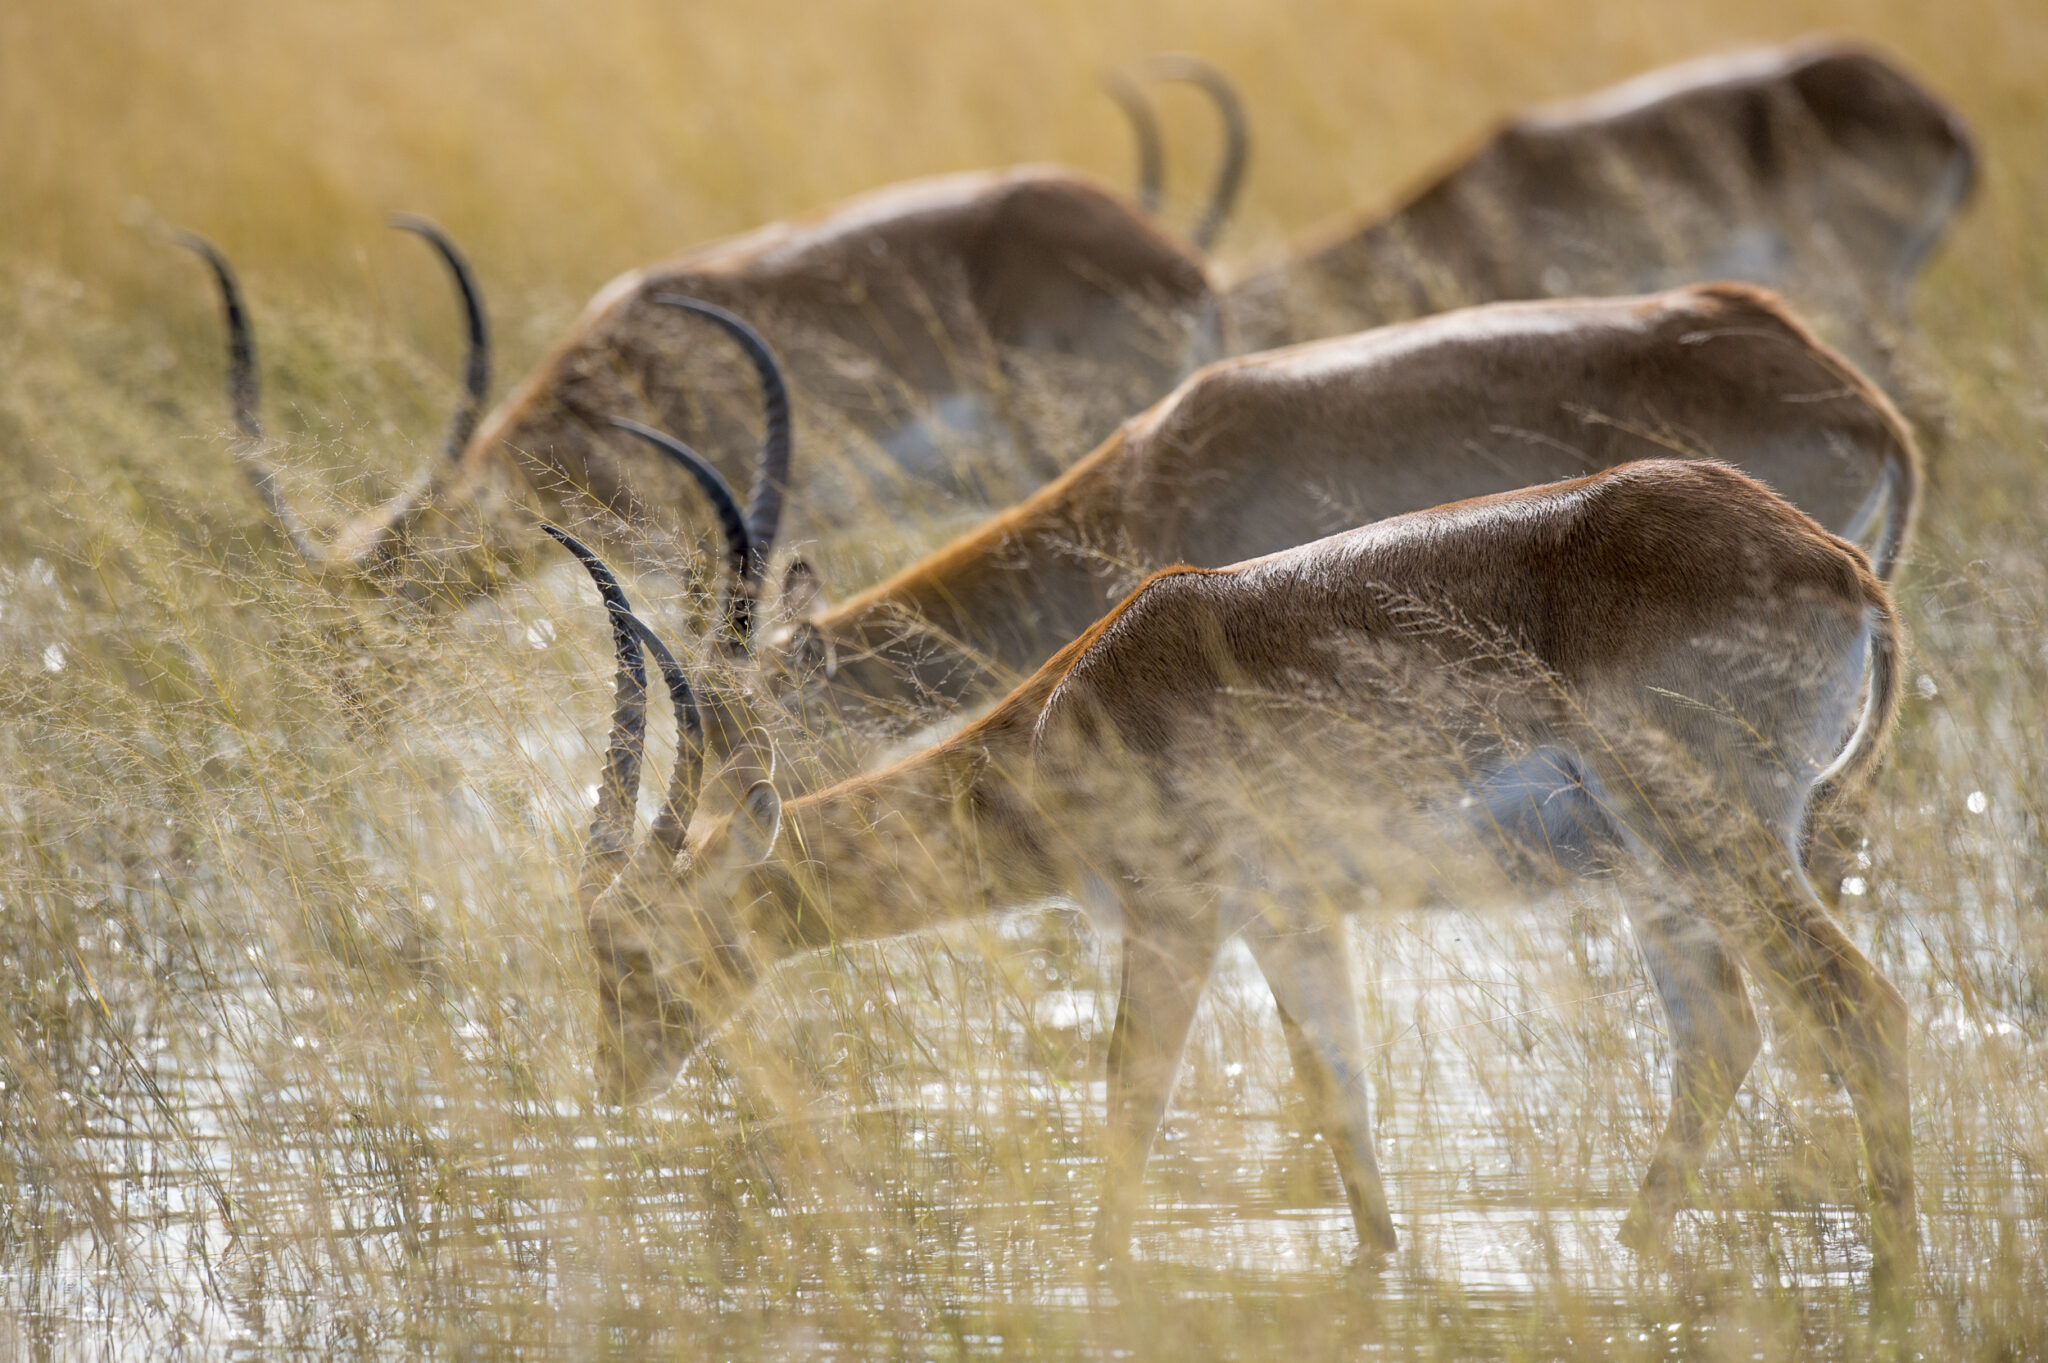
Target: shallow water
[
  {"x": 372, "y": 1133},
  {"x": 239, "y": 1205}
]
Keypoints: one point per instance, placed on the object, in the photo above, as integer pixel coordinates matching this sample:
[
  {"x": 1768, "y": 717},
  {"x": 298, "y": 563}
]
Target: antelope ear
[
  {"x": 803, "y": 594},
  {"x": 802, "y": 650},
  {"x": 758, "y": 822}
]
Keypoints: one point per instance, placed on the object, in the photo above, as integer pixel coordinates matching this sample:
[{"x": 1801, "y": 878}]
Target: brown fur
[
  {"x": 1820, "y": 169},
  {"x": 1671, "y": 650},
  {"x": 1257, "y": 454},
  {"x": 974, "y": 328},
  {"x": 880, "y": 308}
]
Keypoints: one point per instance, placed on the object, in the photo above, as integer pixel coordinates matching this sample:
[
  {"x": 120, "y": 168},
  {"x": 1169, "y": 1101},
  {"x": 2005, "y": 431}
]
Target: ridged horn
[
  {"x": 1186, "y": 68},
  {"x": 611, "y": 826},
  {"x": 1130, "y": 97},
  {"x": 771, "y": 480},
  {"x": 245, "y": 394},
  {"x": 476, "y": 367},
  {"x": 368, "y": 537},
  {"x": 672, "y": 824},
  {"x": 743, "y": 556}
]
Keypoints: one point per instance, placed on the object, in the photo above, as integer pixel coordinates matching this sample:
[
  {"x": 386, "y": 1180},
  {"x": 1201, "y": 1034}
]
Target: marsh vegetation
[{"x": 295, "y": 1046}]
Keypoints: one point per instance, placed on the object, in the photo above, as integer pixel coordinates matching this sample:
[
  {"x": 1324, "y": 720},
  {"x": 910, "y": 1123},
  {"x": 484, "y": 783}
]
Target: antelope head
[{"x": 676, "y": 927}]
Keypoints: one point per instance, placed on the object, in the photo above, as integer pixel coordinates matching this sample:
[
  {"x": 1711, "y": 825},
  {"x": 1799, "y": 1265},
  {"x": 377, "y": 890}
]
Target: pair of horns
[
  {"x": 365, "y": 540},
  {"x": 749, "y": 533},
  {"x": 1188, "y": 69},
  {"x": 612, "y": 825}
]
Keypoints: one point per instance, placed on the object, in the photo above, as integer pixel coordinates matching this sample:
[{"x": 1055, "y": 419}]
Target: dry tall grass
[{"x": 295, "y": 1029}]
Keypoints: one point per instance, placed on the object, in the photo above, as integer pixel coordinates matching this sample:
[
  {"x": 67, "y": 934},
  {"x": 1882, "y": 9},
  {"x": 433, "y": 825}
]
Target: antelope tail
[
  {"x": 1880, "y": 707},
  {"x": 1902, "y": 494}
]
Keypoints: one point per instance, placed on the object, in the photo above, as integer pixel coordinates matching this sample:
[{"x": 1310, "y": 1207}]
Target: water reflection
[{"x": 245, "y": 1205}]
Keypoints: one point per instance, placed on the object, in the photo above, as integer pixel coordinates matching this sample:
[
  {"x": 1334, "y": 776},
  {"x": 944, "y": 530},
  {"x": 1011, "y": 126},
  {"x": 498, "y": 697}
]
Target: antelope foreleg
[
  {"x": 1309, "y": 973},
  {"x": 1162, "y": 984}
]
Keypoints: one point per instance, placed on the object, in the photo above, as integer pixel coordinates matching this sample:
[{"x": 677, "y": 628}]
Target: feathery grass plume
[{"x": 297, "y": 1020}]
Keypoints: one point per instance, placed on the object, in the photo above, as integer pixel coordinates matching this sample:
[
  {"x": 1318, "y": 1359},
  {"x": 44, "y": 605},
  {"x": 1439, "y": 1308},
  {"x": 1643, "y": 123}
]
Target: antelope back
[
  {"x": 965, "y": 331},
  {"x": 1252, "y": 456},
  {"x": 1670, "y": 634},
  {"x": 1821, "y": 170}
]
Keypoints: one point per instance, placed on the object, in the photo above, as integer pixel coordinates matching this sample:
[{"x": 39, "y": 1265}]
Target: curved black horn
[
  {"x": 611, "y": 827},
  {"x": 1192, "y": 70},
  {"x": 476, "y": 375},
  {"x": 1130, "y": 98},
  {"x": 745, "y": 558},
  {"x": 244, "y": 396},
  {"x": 672, "y": 824},
  {"x": 771, "y": 482},
  {"x": 724, "y": 502}
]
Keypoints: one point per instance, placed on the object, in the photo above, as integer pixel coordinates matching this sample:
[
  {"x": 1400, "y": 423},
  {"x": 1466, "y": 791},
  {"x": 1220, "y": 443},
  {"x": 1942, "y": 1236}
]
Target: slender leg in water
[
  {"x": 1309, "y": 972},
  {"x": 1163, "y": 978},
  {"x": 1714, "y": 1040},
  {"x": 1803, "y": 956}
]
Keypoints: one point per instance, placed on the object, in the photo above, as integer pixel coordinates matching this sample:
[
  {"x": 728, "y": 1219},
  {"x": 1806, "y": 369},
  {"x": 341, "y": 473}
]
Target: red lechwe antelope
[
  {"x": 929, "y": 322},
  {"x": 1644, "y": 674},
  {"x": 928, "y": 326},
  {"x": 361, "y": 543},
  {"x": 455, "y": 516},
  {"x": 903, "y": 315},
  {"x": 914, "y": 317},
  {"x": 1816, "y": 168},
  {"x": 1257, "y": 454}
]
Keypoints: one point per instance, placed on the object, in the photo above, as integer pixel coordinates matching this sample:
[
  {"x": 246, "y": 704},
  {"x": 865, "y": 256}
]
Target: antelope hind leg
[
  {"x": 1803, "y": 956},
  {"x": 1714, "y": 1040},
  {"x": 1836, "y": 840}
]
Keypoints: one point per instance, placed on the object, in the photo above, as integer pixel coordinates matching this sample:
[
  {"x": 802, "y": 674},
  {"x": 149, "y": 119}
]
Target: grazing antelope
[
  {"x": 458, "y": 525},
  {"x": 1815, "y": 162},
  {"x": 361, "y": 543},
  {"x": 1258, "y": 454},
  {"x": 1818, "y": 169},
  {"x": 1643, "y": 675},
  {"x": 933, "y": 324},
  {"x": 930, "y": 323},
  {"x": 905, "y": 313}
]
